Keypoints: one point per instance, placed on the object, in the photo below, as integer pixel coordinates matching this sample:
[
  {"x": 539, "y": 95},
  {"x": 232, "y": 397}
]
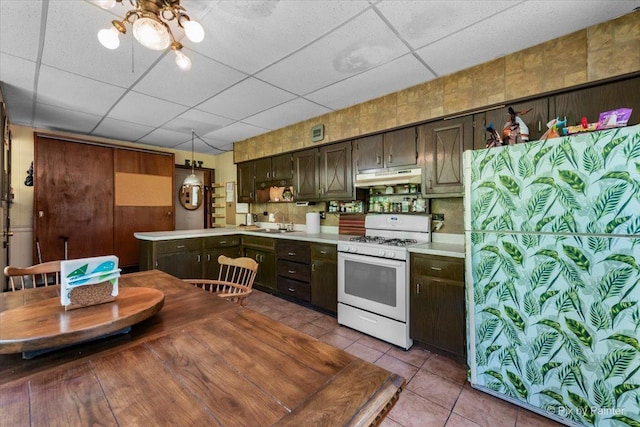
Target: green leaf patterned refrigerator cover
[{"x": 553, "y": 275}]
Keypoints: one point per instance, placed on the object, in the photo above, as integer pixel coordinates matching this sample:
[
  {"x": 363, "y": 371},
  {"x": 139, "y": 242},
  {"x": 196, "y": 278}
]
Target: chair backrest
[
  {"x": 45, "y": 274},
  {"x": 241, "y": 271}
]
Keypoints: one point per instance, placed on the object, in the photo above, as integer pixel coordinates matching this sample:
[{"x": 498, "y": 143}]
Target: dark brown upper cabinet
[
  {"x": 277, "y": 168},
  {"x": 536, "y": 120},
  {"x": 397, "y": 148},
  {"x": 246, "y": 172},
  {"x": 323, "y": 173},
  {"x": 443, "y": 142}
]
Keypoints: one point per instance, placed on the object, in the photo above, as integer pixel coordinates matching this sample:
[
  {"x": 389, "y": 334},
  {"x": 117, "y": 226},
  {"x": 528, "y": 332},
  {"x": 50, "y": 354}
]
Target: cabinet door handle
[
  {"x": 292, "y": 272},
  {"x": 208, "y": 257},
  {"x": 313, "y": 267},
  {"x": 180, "y": 247},
  {"x": 430, "y": 183},
  {"x": 436, "y": 268},
  {"x": 323, "y": 252},
  {"x": 258, "y": 257},
  {"x": 390, "y": 158},
  {"x": 268, "y": 174},
  {"x": 222, "y": 242},
  {"x": 539, "y": 126},
  {"x": 378, "y": 160},
  {"x": 199, "y": 258},
  {"x": 291, "y": 254},
  {"x": 292, "y": 289},
  {"x": 156, "y": 264},
  {"x": 418, "y": 288}
]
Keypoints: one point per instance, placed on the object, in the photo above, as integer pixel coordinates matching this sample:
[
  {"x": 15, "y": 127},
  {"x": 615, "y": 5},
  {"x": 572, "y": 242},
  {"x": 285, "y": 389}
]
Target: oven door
[{"x": 377, "y": 285}]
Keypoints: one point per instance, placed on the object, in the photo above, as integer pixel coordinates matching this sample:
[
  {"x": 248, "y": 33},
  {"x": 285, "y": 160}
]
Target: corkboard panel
[{"x": 135, "y": 189}]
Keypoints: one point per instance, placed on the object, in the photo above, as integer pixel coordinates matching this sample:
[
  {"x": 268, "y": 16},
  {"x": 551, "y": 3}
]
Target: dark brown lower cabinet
[
  {"x": 192, "y": 258},
  {"x": 324, "y": 276},
  {"x": 437, "y": 304},
  {"x": 294, "y": 269},
  {"x": 263, "y": 251}
]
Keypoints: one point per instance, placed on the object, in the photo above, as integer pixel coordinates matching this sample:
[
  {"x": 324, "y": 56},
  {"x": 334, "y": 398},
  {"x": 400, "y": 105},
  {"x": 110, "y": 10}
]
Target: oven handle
[{"x": 366, "y": 259}]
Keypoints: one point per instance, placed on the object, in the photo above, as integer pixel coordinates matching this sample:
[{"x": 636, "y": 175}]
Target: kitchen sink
[{"x": 273, "y": 231}]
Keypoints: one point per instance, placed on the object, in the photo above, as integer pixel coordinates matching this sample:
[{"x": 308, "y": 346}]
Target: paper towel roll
[{"x": 313, "y": 222}]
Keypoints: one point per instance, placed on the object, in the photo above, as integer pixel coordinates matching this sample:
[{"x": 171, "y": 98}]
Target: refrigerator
[{"x": 552, "y": 233}]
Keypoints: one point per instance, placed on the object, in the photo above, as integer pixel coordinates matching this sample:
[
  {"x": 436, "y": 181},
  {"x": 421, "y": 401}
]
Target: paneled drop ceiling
[{"x": 263, "y": 65}]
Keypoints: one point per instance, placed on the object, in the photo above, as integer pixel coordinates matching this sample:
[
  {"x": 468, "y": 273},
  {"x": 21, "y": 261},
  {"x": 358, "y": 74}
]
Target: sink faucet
[{"x": 281, "y": 225}]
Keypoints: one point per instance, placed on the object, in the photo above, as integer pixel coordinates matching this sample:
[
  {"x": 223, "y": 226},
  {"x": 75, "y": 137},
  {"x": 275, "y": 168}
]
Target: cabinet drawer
[
  {"x": 180, "y": 245},
  {"x": 297, "y": 251},
  {"x": 324, "y": 252},
  {"x": 436, "y": 266},
  {"x": 294, "y": 270},
  {"x": 221, "y": 241},
  {"x": 300, "y": 290},
  {"x": 257, "y": 242}
]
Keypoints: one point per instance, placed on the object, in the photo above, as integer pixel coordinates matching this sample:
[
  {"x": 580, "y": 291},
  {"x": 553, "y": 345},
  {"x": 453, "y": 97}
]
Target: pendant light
[{"x": 192, "y": 180}]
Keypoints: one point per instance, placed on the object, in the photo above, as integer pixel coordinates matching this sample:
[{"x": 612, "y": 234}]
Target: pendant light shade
[{"x": 192, "y": 180}]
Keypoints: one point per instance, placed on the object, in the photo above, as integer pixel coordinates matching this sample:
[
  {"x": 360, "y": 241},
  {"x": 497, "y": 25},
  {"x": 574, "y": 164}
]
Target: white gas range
[{"x": 373, "y": 275}]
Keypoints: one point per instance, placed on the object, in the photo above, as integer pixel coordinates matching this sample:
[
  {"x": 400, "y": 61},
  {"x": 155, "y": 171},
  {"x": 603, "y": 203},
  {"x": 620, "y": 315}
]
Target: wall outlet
[
  {"x": 272, "y": 217},
  {"x": 323, "y": 215},
  {"x": 437, "y": 217}
]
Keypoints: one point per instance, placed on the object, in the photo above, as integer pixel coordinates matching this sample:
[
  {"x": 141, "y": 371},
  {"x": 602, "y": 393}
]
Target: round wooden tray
[{"x": 45, "y": 324}]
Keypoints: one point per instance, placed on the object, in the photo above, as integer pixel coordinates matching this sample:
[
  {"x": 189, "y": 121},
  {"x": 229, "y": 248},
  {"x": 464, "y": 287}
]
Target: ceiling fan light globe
[
  {"x": 151, "y": 33},
  {"x": 108, "y": 38},
  {"x": 182, "y": 61},
  {"x": 194, "y": 31},
  {"x": 105, "y": 4}
]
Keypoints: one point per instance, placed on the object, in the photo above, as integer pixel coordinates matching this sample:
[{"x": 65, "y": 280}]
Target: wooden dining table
[{"x": 201, "y": 360}]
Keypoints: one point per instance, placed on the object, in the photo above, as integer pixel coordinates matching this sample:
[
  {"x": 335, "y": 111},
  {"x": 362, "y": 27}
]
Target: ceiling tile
[
  {"x": 120, "y": 129},
  {"x": 287, "y": 114},
  {"x": 205, "y": 79},
  {"x": 71, "y": 44},
  {"x": 165, "y": 138},
  {"x": 201, "y": 122},
  {"x": 424, "y": 22},
  {"x": 16, "y": 16},
  {"x": 56, "y": 87},
  {"x": 56, "y": 118},
  {"x": 361, "y": 44},
  {"x": 236, "y": 132},
  {"x": 392, "y": 77},
  {"x": 143, "y": 109},
  {"x": 16, "y": 77},
  {"x": 250, "y": 35},
  {"x": 246, "y": 98}
]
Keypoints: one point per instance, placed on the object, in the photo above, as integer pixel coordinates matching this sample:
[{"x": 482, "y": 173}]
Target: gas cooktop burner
[{"x": 383, "y": 240}]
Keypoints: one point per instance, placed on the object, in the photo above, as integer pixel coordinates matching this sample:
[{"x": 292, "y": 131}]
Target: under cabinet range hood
[{"x": 389, "y": 177}]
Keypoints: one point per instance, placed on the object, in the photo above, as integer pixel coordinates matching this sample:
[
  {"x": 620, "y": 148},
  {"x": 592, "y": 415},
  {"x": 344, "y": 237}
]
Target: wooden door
[
  {"x": 73, "y": 199},
  {"x": 336, "y": 180},
  {"x": 401, "y": 148},
  {"x": 263, "y": 169},
  {"x": 306, "y": 178},
  {"x": 5, "y": 185},
  {"x": 536, "y": 119},
  {"x": 444, "y": 142},
  {"x": 144, "y": 199},
  {"x": 282, "y": 167},
  {"x": 369, "y": 153},
  {"x": 246, "y": 182}
]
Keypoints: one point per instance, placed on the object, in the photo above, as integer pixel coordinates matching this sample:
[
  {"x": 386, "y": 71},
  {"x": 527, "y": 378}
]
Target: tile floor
[{"x": 436, "y": 394}]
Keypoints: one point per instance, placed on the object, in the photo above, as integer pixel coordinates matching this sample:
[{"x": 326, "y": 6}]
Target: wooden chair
[
  {"x": 45, "y": 274},
  {"x": 235, "y": 279}
]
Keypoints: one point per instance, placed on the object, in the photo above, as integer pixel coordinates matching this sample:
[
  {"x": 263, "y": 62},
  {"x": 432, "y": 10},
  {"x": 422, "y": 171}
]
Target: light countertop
[{"x": 451, "y": 245}]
